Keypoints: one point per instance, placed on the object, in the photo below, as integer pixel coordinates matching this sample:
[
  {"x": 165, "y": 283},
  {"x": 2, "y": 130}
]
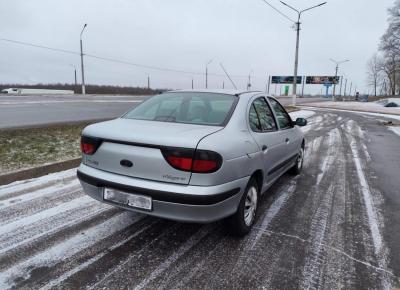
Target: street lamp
[
  {"x": 82, "y": 68},
  {"x": 74, "y": 77},
  {"x": 296, "y": 62},
  {"x": 249, "y": 83},
  {"x": 210, "y": 61},
  {"x": 336, "y": 74}
]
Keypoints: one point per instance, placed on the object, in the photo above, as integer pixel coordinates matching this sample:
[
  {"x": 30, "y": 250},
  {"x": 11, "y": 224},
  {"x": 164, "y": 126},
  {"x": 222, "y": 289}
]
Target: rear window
[{"x": 188, "y": 108}]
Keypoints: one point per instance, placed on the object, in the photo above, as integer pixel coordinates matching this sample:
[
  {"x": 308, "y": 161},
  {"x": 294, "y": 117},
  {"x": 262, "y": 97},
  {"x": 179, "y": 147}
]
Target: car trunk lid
[{"x": 135, "y": 147}]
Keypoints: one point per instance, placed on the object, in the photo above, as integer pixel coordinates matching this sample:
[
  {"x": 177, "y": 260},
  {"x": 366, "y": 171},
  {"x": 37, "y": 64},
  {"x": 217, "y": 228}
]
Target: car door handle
[
  {"x": 264, "y": 148},
  {"x": 287, "y": 140}
]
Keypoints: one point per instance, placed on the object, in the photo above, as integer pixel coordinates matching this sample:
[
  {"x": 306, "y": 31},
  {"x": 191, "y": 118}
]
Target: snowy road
[{"x": 337, "y": 225}]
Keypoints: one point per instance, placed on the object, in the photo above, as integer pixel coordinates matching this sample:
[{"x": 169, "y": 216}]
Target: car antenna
[{"x": 227, "y": 75}]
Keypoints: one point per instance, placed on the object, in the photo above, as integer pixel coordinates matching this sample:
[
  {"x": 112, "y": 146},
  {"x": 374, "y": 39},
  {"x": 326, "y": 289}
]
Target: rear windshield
[{"x": 189, "y": 108}]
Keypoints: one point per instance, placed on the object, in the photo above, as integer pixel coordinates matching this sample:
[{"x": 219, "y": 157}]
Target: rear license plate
[{"x": 128, "y": 199}]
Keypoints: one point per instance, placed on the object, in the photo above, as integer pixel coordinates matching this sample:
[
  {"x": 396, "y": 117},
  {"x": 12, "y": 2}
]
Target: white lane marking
[
  {"x": 53, "y": 190},
  {"x": 67, "y": 248},
  {"x": 331, "y": 248},
  {"x": 377, "y": 238},
  {"x": 274, "y": 209},
  {"x": 372, "y": 218},
  {"x": 92, "y": 260},
  {"x": 26, "y": 184},
  {"x": 183, "y": 249},
  {"x": 63, "y": 207}
]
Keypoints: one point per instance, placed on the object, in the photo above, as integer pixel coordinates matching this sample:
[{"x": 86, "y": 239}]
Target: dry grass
[{"x": 24, "y": 148}]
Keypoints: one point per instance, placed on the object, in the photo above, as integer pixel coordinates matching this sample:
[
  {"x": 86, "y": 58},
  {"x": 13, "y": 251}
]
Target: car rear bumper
[{"x": 200, "y": 204}]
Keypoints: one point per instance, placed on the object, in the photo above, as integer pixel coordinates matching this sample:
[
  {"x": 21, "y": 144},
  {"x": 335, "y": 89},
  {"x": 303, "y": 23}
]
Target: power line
[
  {"x": 280, "y": 12},
  {"x": 40, "y": 46},
  {"x": 112, "y": 59}
]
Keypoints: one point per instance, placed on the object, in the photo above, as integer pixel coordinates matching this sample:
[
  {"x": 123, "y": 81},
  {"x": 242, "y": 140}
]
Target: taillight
[
  {"x": 89, "y": 145},
  {"x": 196, "y": 161}
]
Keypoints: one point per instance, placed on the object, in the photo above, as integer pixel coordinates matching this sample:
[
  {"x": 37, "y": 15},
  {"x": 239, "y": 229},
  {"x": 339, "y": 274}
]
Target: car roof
[{"x": 216, "y": 91}]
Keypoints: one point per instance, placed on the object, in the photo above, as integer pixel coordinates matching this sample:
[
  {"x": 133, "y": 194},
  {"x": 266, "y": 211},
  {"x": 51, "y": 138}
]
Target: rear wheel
[
  {"x": 242, "y": 221},
  {"x": 296, "y": 169}
]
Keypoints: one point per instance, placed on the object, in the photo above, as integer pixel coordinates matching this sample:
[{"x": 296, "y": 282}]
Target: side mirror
[{"x": 301, "y": 122}]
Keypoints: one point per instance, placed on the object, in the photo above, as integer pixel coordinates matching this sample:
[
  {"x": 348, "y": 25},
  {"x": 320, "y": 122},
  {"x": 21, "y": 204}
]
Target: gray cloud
[{"x": 246, "y": 35}]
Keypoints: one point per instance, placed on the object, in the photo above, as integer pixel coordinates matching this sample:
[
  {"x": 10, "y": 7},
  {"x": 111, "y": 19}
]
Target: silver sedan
[{"x": 193, "y": 156}]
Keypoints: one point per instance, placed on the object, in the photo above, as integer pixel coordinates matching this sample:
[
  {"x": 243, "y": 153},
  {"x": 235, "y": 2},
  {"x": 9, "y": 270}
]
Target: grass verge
[{"x": 25, "y": 148}]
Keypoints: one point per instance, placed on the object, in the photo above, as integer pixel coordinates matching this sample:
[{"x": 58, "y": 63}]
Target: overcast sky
[{"x": 245, "y": 35}]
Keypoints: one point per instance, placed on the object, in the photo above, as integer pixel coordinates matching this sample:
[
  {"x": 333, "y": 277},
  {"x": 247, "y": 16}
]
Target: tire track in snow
[
  {"x": 20, "y": 187},
  {"x": 182, "y": 250},
  {"x": 40, "y": 193},
  {"x": 330, "y": 155},
  {"x": 270, "y": 214},
  {"x": 25, "y": 210},
  {"x": 312, "y": 269},
  {"x": 66, "y": 248},
  {"x": 94, "y": 259}
]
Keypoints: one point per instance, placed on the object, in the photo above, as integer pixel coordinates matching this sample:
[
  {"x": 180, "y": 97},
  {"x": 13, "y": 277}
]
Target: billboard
[
  {"x": 321, "y": 80},
  {"x": 285, "y": 79}
]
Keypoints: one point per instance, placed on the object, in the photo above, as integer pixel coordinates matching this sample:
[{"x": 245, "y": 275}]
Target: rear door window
[
  {"x": 260, "y": 110},
  {"x": 283, "y": 118}
]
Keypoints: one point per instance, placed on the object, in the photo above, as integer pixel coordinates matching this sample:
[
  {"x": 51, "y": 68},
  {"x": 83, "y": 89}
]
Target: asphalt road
[
  {"x": 336, "y": 226},
  {"x": 28, "y": 111}
]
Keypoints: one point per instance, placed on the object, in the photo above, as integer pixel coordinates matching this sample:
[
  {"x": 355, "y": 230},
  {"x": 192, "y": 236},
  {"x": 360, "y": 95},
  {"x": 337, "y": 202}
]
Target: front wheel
[
  {"x": 242, "y": 221},
  {"x": 296, "y": 169}
]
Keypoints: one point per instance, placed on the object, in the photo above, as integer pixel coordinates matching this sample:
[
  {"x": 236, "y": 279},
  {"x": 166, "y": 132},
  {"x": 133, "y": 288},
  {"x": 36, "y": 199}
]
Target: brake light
[
  {"x": 180, "y": 162},
  {"x": 89, "y": 145},
  {"x": 196, "y": 161}
]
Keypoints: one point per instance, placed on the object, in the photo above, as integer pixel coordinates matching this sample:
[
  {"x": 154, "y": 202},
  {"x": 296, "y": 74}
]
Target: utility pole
[
  {"x": 345, "y": 88},
  {"x": 336, "y": 75},
  {"x": 351, "y": 86},
  {"x": 82, "y": 67},
  {"x": 75, "y": 87},
  {"x": 148, "y": 82},
  {"x": 269, "y": 84},
  {"x": 296, "y": 61},
  {"x": 341, "y": 85},
  {"x": 207, "y": 73},
  {"x": 192, "y": 84},
  {"x": 304, "y": 83},
  {"x": 223, "y": 85}
]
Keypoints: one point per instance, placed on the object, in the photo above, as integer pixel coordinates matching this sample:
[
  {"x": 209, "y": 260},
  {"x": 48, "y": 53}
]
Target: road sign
[
  {"x": 321, "y": 80},
  {"x": 285, "y": 80}
]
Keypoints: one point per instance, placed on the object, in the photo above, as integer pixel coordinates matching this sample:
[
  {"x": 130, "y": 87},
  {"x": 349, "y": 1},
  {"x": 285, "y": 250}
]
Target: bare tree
[{"x": 374, "y": 72}]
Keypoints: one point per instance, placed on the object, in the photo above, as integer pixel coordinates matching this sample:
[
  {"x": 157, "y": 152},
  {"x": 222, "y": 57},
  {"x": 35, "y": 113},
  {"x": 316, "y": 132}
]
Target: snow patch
[
  {"x": 396, "y": 130},
  {"x": 301, "y": 114}
]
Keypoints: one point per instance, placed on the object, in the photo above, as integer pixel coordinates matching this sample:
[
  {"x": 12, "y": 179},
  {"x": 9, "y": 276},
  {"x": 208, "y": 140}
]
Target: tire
[
  {"x": 242, "y": 221},
  {"x": 296, "y": 169}
]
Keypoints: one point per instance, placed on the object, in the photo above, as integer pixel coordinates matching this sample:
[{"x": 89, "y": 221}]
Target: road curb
[
  {"x": 38, "y": 171},
  {"x": 349, "y": 110}
]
